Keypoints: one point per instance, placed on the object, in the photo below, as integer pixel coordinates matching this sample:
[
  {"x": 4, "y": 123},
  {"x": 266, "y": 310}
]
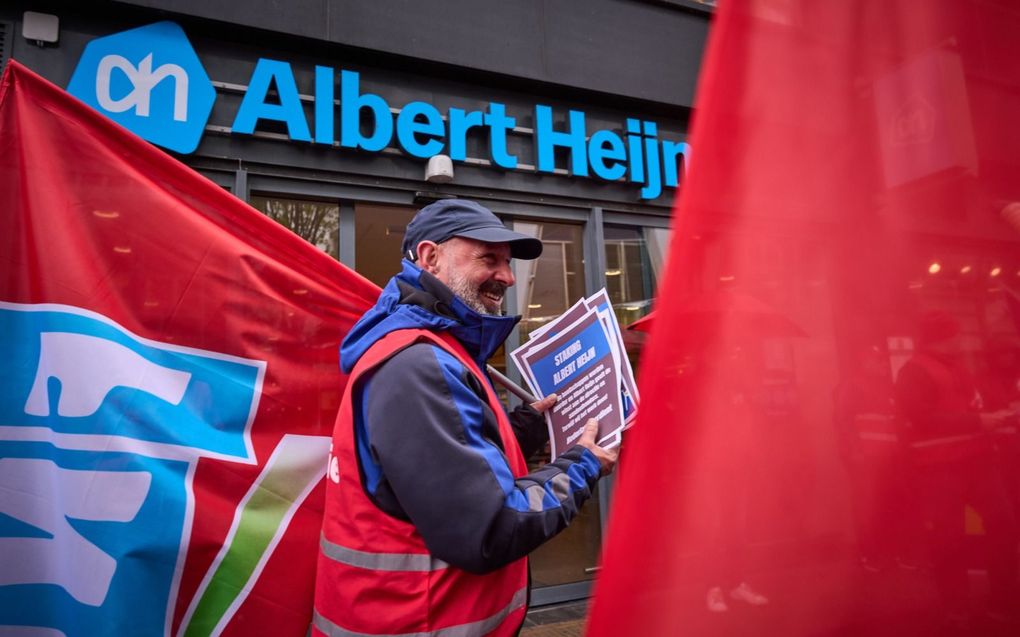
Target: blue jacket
[{"x": 428, "y": 445}]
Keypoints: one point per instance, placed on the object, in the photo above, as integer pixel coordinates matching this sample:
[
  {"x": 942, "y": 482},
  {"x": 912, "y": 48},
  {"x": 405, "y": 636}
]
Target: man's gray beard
[{"x": 470, "y": 295}]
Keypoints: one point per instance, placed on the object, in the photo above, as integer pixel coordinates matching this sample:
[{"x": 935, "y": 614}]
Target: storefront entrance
[{"x": 581, "y": 255}]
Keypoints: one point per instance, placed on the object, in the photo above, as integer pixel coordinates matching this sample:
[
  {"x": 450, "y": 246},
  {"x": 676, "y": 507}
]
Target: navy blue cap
[{"x": 448, "y": 218}]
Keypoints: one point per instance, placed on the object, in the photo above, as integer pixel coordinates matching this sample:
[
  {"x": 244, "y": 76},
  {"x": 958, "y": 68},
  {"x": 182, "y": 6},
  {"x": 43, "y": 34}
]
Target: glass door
[
  {"x": 545, "y": 288},
  {"x": 378, "y": 235}
]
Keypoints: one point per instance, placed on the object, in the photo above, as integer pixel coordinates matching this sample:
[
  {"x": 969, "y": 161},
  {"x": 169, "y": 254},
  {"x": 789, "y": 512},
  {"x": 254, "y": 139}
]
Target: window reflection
[
  {"x": 545, "y": 288},
  {"x": 633, "y": 261},
  {"x": 550, "y": 284},
  {"x": 316, "y": 222},
  {"x": 378, "y": 235},
  {"x": 634, "y": 258}
]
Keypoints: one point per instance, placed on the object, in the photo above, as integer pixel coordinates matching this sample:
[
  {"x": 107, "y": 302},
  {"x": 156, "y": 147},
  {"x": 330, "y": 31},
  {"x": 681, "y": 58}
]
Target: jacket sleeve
[
  {"x": 530, "y": 429},
  {"x": 436, "y": 444}
]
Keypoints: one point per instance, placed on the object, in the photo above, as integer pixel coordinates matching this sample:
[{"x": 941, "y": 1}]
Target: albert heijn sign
[{"x": 151, "y": 81}]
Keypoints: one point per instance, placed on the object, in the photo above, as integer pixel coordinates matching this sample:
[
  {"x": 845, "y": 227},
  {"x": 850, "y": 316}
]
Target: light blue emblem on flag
[{"x": 100, "y": 434}]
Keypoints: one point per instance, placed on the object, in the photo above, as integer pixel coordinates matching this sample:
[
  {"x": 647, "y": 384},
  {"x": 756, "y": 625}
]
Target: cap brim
[{"x": 522, "y": 246}]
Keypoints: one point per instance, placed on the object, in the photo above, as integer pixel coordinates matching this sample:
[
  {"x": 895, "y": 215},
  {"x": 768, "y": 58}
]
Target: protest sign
[
  {"x": 578, "y": 356},
  {"x": 577, "y": 364},
  {"x": 628, "y": 386}
]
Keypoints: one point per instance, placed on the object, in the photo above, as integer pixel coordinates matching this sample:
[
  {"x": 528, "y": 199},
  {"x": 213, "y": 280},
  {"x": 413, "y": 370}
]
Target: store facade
[{"x": 570, "y": 122}]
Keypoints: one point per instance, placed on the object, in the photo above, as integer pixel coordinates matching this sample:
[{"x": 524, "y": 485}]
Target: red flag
[
  {"x": 170, "y": 386},
  {"x": 855, "y": 171}
]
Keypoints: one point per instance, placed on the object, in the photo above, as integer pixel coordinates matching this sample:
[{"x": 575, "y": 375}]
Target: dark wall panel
[{"x": 639, "y": 49}]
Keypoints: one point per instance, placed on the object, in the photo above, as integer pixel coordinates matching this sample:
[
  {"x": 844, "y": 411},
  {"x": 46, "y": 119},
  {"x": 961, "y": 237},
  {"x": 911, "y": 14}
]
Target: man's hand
[
  {"x": 545, "y": 403},
  {"x": 607, "y": 457}
]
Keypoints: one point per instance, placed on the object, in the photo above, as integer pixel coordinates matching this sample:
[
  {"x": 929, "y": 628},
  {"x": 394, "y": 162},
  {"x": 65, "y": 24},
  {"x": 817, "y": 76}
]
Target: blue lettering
[
  {"x": 670, "y": 152},
  {"x": 499, "y": 124},
  {"x": 254, "y": 107},
  {"x": 546, "y": 139},
  {"x": 351, "y": 105},
  {"x": 654, "y": 186},
  {"x": 409, "y": 126},
  {"x": 460, "y": 123},
  {"x": 637, "y": 154},
  {"x": 637, "y": 162},
  {"x": 323, "y": 105},
  {"x": 607, "y": 145}
]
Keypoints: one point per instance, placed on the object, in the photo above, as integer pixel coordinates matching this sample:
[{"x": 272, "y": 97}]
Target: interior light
[
  {"x": 106, "y": 214},
  {"x": 612, "y": 272},
  {"x": 534, "y": 306},
  {"x": 996, "y": 271},
  {"x": 632, "y": 308},
  {"x": 965, "y": 269},
  {"x": 122, "y": 249},
  {"x": 934, "y": 268},
  {"x": 728, "y": 277}
]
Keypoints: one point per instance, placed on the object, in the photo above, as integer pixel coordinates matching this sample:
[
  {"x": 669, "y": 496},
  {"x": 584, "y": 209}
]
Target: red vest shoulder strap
[{"x": 397, "y": 340}]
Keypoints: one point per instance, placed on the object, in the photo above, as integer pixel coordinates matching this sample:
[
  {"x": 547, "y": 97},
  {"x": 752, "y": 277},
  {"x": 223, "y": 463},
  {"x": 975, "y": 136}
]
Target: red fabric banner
[
  {"x": 841, "y": 459},
  {"x": 171, "y": 385}
]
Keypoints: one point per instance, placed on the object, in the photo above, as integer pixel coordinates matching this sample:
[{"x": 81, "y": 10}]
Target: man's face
[{"x": 478, "y": 272}]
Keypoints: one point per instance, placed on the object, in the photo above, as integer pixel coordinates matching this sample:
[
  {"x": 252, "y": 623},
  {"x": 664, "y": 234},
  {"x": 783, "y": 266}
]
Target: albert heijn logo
[{"x": 150, "y": 81}]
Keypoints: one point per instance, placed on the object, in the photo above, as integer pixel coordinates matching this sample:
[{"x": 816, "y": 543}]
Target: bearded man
[{"x": 430, "y": 509}]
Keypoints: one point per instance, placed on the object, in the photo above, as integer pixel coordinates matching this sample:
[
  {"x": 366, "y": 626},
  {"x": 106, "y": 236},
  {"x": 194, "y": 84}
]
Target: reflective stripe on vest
[
  {"x": 948, "y": 440},
  {"x": 874, "y": 436},
  {"x": 952, "y": 449},
  {"x": 875, "y": 427},
  {"x": 472, "y": 629},
  {"x": 420, "y": 562}
]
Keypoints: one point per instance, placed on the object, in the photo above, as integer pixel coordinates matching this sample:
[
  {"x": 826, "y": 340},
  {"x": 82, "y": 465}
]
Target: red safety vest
[
  {"x": 956, "y": 393},
  {"x": 375, "y": 575},
  {"x": 878, "y": 434}
]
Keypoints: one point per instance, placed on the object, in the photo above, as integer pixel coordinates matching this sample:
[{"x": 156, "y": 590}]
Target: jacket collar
[
  {"x": 415, "y": 299},
  {"x": 480, "y": 334}
]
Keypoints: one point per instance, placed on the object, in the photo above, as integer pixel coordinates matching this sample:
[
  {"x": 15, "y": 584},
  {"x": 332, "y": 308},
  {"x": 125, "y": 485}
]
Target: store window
[
  {"x": 378, "y": 235},
  {"x": 634, "y": 259},
  {"x": 316, "y": 222},
  {"x": 545, "y": 288},
  {"x": 550, "y": 284}
]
